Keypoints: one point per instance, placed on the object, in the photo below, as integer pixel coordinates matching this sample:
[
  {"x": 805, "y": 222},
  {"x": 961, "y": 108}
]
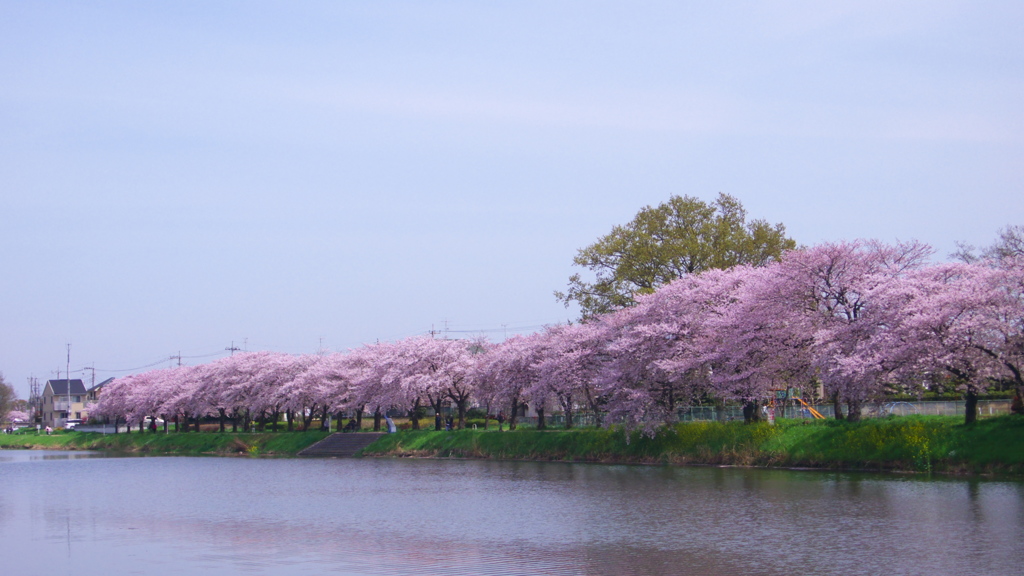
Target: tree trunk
[
  {"x": 288, "y": 414},
  {"x": 376, "y": 420},
  {"x": 323, "y": 419},
  {"x": 184, "y": 422},
  {"x": 223, "y": 418},
  {"x": 414, "y": 416},
  {"x": 541, "y": 425},
  {"x": 751, "y": 411},
  {"x": 462, "y": 413},
  {"x": 837, "y": 406},
  {"x": 198, "y": 429},
  {"x": 115, "y": 424},
  {"x": 853, "y": 413},
  {"x": 359, "y": 417},
  {"x": 437, "y": 414},
  {"x": 670, "y": 403},
  {"x": 1017, "y": 405},
  {"x": 307, "y": 417},
  {"x": 513, "y": 415},
  {"x": 234, "y": 420},
  {"x": 566, "y": 402},
  {"x": 277, "y": 416},
  {"x": 971, "y": 405},
  {"x": 164, "y": 416}
]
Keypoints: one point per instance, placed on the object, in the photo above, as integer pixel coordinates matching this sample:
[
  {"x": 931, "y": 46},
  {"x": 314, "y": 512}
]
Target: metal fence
[
  {"x": 558, "y": 420},
  {"x": 732, "y": 412},
  {"x": 101, "y": 428},
  {"x": 924, "y": 407},
  {"x": 946, "y": 408}
]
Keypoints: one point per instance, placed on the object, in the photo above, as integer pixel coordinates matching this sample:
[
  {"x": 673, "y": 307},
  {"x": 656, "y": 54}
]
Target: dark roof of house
[
  {"x": 100, "y": 385},
  {"x": 60, "y": 387}
]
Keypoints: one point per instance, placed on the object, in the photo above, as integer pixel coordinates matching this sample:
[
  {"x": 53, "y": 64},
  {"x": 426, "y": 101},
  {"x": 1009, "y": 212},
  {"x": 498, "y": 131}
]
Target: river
[{"x": 80, "y": 513}]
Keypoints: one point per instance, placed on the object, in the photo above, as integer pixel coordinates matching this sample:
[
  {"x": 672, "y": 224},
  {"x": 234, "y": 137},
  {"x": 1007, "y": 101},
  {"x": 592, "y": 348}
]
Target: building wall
[{"x": 57, "y": 418}]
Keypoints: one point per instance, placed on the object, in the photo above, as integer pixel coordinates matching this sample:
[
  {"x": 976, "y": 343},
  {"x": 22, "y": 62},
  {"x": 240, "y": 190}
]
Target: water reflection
[
  {"x": 13, "y": 456},
  {"x": 211, "y": 515}
]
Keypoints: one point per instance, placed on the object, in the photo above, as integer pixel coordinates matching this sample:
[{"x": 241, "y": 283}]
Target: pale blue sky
[{"x": 175, "y": 176}]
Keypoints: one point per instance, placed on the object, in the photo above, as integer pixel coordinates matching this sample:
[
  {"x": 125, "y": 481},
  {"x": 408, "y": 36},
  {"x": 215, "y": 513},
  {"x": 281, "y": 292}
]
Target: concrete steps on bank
[{"x": 341, "y": 444}]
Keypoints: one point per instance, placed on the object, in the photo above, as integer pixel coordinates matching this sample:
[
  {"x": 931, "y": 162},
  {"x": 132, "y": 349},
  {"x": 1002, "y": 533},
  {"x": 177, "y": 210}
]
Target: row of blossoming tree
[{"x": 856, "y": 320}]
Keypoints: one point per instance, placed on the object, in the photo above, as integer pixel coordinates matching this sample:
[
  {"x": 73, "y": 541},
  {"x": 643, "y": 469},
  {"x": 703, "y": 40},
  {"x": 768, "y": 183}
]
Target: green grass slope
[
  {"x": 281, "y": 444},
  {"x": 912, "y": 443}
]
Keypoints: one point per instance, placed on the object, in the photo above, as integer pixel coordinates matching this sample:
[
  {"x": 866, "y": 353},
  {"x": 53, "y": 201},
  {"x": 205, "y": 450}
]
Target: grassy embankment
[
  {"x": 279, "y": 444},
  {"x": 911, "y": 443}
]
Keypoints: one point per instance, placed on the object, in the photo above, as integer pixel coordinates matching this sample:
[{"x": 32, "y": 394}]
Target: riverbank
[
  {"x": 216, "y": 443},
  {"x": 905, "y": 444}
]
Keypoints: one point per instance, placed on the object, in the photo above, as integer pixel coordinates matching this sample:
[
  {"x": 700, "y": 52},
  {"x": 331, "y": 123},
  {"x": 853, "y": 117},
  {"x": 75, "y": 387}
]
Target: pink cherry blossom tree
[
  {"x": 381, "y": 379},
  {"x": 572, "y": 367},
  {"x": 653, "y": 364},
  {"x": 831, "y": 284},
  {"x": 752, "y": 343},
  {"x": 958, "y": 321},
  {"x": 506, "y": 376}
]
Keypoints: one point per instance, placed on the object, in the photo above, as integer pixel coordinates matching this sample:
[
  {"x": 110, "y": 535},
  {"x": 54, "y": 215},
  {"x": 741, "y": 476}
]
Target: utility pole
[
  {"x": 67, "y": 415},
  {"x": 93, "y": 368},
  {"x": 231, "y": 348},
  {"x": 34, "y": 398},
  {"x": 178, "y": 358}
]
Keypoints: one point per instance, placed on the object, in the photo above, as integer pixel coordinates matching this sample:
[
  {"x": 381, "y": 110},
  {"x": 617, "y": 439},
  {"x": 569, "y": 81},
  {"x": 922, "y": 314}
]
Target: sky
[{"x": 179, "y": 178}]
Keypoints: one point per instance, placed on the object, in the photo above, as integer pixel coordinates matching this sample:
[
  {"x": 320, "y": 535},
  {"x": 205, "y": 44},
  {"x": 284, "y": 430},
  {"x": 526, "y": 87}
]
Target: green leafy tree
[
  {"x": 682, "y": 236},
  {"x": 8, "y": 398}
]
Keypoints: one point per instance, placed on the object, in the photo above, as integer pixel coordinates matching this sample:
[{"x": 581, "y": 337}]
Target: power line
[
  {"x": 217, "y": 353},
  {"x": 152, "y": 364},
  {"x": 504, "y": 329}
]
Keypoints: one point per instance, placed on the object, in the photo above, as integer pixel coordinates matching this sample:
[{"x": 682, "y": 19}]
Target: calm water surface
[{"x": 66, "y": 513}]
